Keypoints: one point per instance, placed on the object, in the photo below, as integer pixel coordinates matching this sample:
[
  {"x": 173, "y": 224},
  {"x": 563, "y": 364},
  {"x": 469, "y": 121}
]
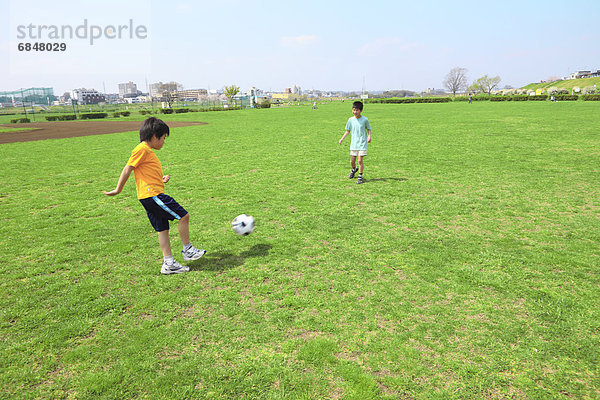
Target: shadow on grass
[
  {"x": 221, "y": 261},
  {"x": 386, "y": 180}
]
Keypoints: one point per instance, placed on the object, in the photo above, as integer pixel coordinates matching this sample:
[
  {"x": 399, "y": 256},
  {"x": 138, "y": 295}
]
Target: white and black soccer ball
[{"x": 243, "y": 224}]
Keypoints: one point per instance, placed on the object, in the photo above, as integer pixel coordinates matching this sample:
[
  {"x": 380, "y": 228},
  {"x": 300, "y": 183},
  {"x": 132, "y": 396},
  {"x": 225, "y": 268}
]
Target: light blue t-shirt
[{"x": 358, "y": 131}]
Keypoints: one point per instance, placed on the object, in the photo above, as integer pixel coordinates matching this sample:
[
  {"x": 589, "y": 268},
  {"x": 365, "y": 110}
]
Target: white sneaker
[
  {"x": 192, "y": 254},
  {"x": 173, "y": 268}
]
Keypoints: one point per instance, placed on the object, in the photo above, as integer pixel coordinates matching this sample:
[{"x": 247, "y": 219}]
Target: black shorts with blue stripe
[{"x": 161, "y": 209}]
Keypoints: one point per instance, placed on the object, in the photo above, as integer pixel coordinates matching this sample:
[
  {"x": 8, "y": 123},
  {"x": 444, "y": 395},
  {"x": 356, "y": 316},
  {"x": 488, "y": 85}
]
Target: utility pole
[
  {"x": 364, "y": 90},
  {"x": 23, "y": 102}
]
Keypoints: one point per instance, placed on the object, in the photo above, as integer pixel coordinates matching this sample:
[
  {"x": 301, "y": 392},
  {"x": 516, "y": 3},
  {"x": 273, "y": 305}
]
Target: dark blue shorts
[{"x": 161, "y": 209}]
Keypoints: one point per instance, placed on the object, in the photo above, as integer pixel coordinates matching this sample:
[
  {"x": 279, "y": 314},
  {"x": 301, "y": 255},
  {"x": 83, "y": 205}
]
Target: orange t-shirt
[{"x": 147, "y": 170}]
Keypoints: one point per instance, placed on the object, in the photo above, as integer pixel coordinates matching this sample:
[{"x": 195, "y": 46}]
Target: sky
[{"x": 273, "y": 45}]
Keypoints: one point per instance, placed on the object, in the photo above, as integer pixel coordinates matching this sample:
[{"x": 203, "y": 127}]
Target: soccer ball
[{"x": 243, "y": 224}]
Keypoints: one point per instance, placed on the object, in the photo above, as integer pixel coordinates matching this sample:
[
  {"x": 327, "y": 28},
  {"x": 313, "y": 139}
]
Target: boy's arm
[
  {"x": 122, "y": 180},
  {"x": 343, "y": 137},
  {"x": 368, "y": 136}
]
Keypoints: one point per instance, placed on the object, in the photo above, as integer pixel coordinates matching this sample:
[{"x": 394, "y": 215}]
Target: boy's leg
[
  {"x": 184, "y": 229},
  {"x": 165, "y": 243},
  {"x": 361, "y": 167},
  {"x": 354, "y": 169},
  {"x": 189, "y": 252},
  {"x": 157, "y": 214},
  {"x": 170, "y": 266}
]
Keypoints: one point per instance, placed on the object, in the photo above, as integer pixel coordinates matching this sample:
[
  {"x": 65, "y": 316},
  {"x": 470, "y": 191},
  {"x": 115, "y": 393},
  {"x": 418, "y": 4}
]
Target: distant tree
[
  {"x": 169, "y": 97},
  {"x": 168, "y": 91},
  {"x": 231, "y": 91},
  {"x": 485, "y": 84},
  {"x": 398, "y": 93},
  {"x": 456, "y": 80}
]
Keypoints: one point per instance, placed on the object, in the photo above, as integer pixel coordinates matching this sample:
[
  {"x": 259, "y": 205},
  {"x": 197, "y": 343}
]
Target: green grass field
[
  {"x": 466, "y": 267},
  {"x": 15, "y": 129}
]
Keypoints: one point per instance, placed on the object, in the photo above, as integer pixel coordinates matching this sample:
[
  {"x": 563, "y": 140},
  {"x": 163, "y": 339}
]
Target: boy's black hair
[
  {"x": 153, "y": 127},
  {"x": 358, "y": 104}
]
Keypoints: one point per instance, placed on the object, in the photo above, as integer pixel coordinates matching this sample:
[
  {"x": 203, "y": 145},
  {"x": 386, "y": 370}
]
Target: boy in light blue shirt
[{"x": 360, "y": 129}]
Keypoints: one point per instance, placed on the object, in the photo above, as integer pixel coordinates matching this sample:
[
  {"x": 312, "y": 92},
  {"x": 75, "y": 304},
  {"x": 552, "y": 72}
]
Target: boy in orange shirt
[{"x": 150, "y": 184}]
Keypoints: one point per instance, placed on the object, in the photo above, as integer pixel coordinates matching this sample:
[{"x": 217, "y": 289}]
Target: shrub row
[
  {"x": 559, "y": 97},
  {"x": 93, "y": 115},
  {"x": 220, "y": 109},
  {"x": 263, "y": 104},
  {"x": 541, "y": 97},
  {"x": 520, "y": 97},
  {"x": 186, "y": 110},
  {"x": 175, "y": 110},
  {"x": 473, "y": 98},
  {"x": 412, "y": 100},
  {"x": 20, "y": 121},
  {"x": 566, "y": 97},
  {"x": 591, "y": 97},
  {"x": 68, "y": 117},
  {"x": 122, "y": 114}
]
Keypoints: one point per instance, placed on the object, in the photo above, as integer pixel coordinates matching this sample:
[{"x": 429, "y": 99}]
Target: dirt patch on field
[{"x": 67, "y": 129}]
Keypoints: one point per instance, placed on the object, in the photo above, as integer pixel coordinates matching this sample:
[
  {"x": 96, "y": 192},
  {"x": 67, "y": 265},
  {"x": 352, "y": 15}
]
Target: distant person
[
  {"x": 150, "y": 185},
  {"x": 315, "y": 105},
  {"x": 470, "y": 98},
  {"x": 360, "y": 129}
]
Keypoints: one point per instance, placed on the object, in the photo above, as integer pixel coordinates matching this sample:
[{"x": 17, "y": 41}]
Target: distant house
[
  {"x": 87, "y": 96},
  {"x": 138, "y": 99},
  {"x": 128, "y": 90},
  {"x": 579, "y": 75},
  {"x": 287, "y": 96},
  {"x": 112, "y": 97},
  {"x": 190, "y": 94}
]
